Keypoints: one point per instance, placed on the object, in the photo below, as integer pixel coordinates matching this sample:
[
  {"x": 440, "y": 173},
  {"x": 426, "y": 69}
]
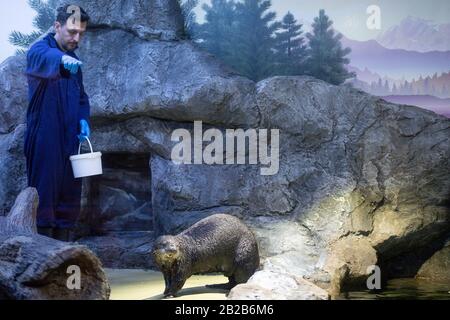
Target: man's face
[{"x": 69, "y": 35}]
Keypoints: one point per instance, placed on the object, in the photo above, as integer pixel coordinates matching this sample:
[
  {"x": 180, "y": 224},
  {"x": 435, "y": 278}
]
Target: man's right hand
[{"x": 71, "y": 64}]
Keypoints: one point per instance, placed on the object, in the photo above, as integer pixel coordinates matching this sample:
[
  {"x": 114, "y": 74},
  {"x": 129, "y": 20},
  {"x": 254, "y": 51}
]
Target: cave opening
[{"x": 119, "y": 200}]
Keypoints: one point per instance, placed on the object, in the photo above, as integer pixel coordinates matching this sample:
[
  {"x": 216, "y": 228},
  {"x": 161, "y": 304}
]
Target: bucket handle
[{"x": 90, "y": 145}]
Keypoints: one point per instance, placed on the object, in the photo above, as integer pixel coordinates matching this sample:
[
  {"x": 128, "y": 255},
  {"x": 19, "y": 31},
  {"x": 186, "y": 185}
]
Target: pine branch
[
  {"x": 20, "y": 52},
  {"x": 22, "y": 40},
  {"x": 35, "y": 4},
  {"x": 43, "y": 20}
]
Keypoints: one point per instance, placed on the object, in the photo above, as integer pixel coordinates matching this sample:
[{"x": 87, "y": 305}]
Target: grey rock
[
  {"x": 151, "y": 19},
  {"x": 349, "y": 263},
  {"x": 140, "y": 219},
  {"x": 123, "y": 250},
  {"x": 270, "y": 285},
  {"x": 376, "y": 170},
  {"x": 12, "y": 168},
  {"x": 13, "y": 93},
  {"x": 133, "y": 180},
  {"x": 116, "y": 202},
  {"x": 437, "y": 267},
  {"x": 179, "y": 82},
  {"x": 287, "y": 246}
]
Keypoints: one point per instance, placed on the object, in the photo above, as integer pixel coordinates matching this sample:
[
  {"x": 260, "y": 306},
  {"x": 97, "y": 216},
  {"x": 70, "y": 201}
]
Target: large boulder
[
  {"x": 151, "y": 19},
  {"x": 270, "y": 285},
  {"x": 13, "y": 93},
  {"x": 12, "y": 167},
  {"x": 350, "y": 165},
  {"x": 13, "y": 106},
  {"x": 178, "y": 82},
  {"x": 123, "y": 250},
  {"x": 349, "y": 263},
  {"x": 437, "y": 268}
]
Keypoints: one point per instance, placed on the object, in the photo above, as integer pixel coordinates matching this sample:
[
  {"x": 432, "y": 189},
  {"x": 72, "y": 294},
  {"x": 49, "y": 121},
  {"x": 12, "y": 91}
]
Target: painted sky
[{"x": 349, "y": 15}]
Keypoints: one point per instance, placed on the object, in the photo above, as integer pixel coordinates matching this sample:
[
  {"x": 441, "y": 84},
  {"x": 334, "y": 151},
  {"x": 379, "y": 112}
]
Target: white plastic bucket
[{"x": 86, "y": 164}]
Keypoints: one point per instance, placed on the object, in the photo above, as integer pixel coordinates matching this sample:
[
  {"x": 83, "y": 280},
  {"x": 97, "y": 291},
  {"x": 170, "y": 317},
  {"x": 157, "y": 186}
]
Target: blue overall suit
[{"x": 57, "y": 103}]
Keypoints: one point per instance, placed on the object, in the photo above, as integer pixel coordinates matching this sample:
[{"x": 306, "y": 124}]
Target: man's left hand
[{"x": 85, "y": 131}]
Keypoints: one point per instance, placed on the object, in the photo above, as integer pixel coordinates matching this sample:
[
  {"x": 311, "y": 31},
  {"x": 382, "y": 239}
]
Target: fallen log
[{"x": 39, "y": 268}]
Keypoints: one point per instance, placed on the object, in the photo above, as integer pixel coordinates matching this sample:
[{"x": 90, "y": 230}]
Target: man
[{"x": 57, "y": 120}]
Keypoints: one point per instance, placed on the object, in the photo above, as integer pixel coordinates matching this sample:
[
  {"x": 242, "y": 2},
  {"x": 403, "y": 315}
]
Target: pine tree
[
  {"x": 218, "y": 34},
  {"x": 445, "y": 91},
  {"x": 406, "y": 89},
  {"x": 386, "y": 88},
  {"x": 379, "y": 87},
  {"x": 326, "y": 56},
  {"x": 290, "y": 50},
  {"x": 432, "y": 90},
  {"x": 394, "y": 89},
  {"x": 255, "y": 39},
  {"x": 426, "y": 85},
  {"x": 42, "y": 22},
  {"x": 190, "y": 24},
  {"x": 409, "y": 88}
]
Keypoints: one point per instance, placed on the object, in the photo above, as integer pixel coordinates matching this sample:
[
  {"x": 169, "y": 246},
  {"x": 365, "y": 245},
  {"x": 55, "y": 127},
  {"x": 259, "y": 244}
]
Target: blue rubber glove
[
  {"x": 71, "y": 64},
  {"x": 85, "y": 131}
]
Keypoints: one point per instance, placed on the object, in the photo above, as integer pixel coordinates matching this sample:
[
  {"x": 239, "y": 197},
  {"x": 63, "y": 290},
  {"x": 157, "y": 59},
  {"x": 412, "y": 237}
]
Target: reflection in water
[
  {"x": 411, "y": 289},
  {"x": 129, "y": 284}
]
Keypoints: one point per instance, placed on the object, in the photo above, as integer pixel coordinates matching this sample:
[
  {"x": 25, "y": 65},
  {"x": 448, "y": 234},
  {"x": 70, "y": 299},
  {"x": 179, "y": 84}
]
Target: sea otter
[{"x": 218, "y": 243}]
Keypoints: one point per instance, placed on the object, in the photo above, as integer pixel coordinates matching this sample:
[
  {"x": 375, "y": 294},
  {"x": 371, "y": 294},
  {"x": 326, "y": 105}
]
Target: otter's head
[{"x": 165, "y": 251}]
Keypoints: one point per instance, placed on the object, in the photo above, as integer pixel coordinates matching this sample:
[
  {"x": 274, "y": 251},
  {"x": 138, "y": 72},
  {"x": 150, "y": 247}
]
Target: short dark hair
[{"x": 62, "y": 15}]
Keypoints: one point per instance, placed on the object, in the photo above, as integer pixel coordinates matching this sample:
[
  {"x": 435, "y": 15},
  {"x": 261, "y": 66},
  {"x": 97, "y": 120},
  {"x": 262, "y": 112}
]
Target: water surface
[
  {"x": 405, "y": 289},
  {"x": 127, "y": 284}
]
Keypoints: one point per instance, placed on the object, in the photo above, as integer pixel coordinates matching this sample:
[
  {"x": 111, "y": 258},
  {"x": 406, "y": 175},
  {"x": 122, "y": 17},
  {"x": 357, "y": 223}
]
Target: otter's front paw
[{"x": 170, "y": 294}]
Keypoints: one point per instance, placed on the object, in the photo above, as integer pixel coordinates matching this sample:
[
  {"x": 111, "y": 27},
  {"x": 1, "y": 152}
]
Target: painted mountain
[
  {"x": 415, "y": 34},
  {"x": 440, "y": 106},
  {"x": 411, "y": 66},
  {"x": 396, "y": 63}
]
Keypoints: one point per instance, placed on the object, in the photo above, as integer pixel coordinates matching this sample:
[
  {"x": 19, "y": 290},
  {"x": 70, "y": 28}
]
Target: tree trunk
[{"x": 36, "y": 267}]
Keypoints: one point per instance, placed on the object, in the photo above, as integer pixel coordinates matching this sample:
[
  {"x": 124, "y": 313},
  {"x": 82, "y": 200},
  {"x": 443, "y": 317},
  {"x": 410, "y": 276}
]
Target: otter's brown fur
[{"x": 218, "y": 243}]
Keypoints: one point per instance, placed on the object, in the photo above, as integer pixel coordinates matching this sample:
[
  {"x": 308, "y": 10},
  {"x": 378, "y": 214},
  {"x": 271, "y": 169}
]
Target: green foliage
[
  {"x": 326, "y": 57},
  {"x": 241, "y": 34},
  {"x": 42, "y": 22},
  {"x": 290, "y": 48},
  {"x": 22, "y": 40},
  {"x": 246, "y": 37},
  {"x": 218, "y": 34},
  {"x": 255, "y": 39}
]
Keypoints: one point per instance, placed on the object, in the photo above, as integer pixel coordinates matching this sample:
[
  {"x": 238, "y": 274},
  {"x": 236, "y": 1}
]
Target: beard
[{"x": 70, "y": 47}]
